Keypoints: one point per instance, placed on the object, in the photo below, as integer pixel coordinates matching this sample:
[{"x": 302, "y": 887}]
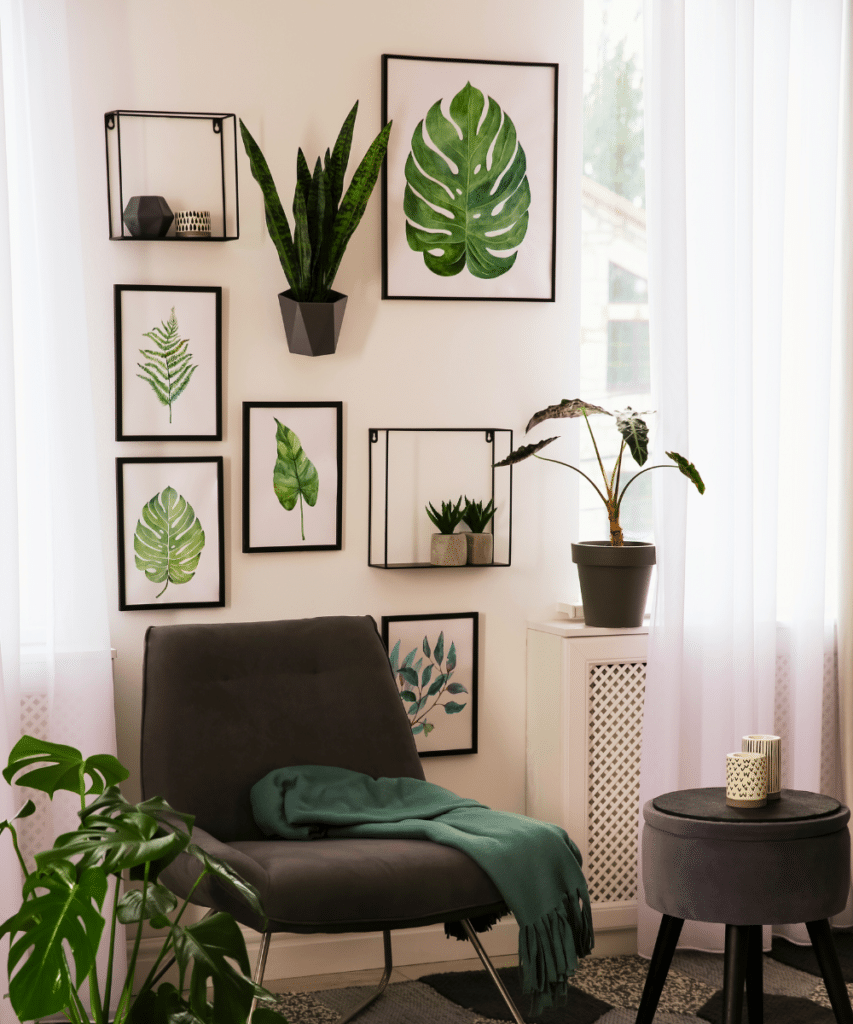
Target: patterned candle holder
[
  {"x": 772, "y": 747},
  {"x": 746, "y": 779},
  {"x": 192, "y": 223}
]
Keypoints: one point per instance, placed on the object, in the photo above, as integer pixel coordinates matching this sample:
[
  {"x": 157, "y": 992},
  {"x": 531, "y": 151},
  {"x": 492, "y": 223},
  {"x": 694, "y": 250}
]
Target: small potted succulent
[
  {"x": 447, "y": 547},
  {"x": 614, "y": 574},
  {"x": 323, "y": 224},
  {"x": 480, "y": 544}
]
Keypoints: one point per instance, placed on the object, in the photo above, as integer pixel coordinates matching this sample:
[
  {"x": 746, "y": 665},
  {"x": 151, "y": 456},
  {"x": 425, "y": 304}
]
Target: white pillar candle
[{"x": 772, "y": 747}]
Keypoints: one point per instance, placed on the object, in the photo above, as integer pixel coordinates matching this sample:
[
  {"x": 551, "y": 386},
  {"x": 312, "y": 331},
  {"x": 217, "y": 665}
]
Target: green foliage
[
  {"x": 468, "y": 196},
  {"x": 323, "y": 222},
  {"x": 168, "y": 544},
  {"x": 475, "y": 517},
  {"x": 56, "y": 933},
  {"x": 635, "y": 437},
  {"x": 428, "y": 677},
  {"x": 295, "y": 477},
  {"x": 168, "y": 368},
  {"x": 448, "y": 518}
]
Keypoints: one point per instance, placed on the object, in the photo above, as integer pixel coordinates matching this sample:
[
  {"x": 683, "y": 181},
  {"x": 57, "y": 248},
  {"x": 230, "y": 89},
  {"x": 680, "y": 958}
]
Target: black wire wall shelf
[
  {"x": 397, "y": 524},
  {"x": 217, "y": 163}
]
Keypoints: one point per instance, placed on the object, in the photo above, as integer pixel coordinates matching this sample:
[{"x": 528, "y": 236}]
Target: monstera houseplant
[
  {"x": 323, "y": 224},
  {"x": 72, "y": 902},
  {"x": 480, "y": 544},
  {"x": 447, "y": 547},
  {"x": 614, "y": 574}
]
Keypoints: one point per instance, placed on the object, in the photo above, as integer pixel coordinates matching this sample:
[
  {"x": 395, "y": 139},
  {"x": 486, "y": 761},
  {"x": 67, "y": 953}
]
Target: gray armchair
[{"x": 223, "y": 705}]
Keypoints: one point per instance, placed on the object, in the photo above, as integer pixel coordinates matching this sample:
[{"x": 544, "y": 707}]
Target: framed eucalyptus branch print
[
  {"x": 469, "y": 200},
  {"x": 168, "y": 343},
  {"x": 292, "y": 476},
  {"x": 434, "y": 661},
  {"x": 171, "y": 546}
]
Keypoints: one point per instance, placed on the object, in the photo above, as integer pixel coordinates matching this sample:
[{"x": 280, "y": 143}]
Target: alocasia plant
[
  {"x": 467, "y": 194},
  {"x": 419, "y": 691},
  {"x": 168, "y": 368},
  {"x": 295, "y": 477},
  {"x": 169, "y": 539}
]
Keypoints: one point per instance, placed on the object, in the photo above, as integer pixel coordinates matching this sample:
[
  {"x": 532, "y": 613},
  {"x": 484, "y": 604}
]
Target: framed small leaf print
[
  {"x": 171, "y": 546},
  {"x": 469, "y": 192},
  {"x": 168, "y": 344},
  {"x": 434, "y": 660},
  {"x": 292, "y": 479}
]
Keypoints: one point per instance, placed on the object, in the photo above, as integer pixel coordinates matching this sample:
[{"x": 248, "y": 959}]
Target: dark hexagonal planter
[
  {"x": 614, "y": 581},
  {"x": 312, "y": 328},
  {"x": 148, "y": 216}
]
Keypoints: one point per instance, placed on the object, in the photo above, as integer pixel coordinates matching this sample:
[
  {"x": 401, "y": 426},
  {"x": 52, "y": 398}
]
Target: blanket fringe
[{"x": 483, "y": 923}]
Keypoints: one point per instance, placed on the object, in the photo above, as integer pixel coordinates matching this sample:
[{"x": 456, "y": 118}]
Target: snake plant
[{"x": 323, "y": 222}]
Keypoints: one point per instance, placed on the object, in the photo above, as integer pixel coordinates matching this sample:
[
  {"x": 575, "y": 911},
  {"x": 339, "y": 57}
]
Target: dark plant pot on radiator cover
[
  {"x": 614, "y": 581},
  {"x": 312, "y": 328}
]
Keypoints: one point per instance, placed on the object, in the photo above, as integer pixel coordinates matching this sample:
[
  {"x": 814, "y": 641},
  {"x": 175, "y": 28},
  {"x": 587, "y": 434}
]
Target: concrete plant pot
[
  {"x": 614, "y": 581},
  {"x": 448, "y": 549},
  {"x": 480, "y": 548},
  {"x": 312, "y": 328}
]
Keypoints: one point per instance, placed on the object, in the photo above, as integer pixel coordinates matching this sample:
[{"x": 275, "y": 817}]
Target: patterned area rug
[{"x": 604, "y": 990}]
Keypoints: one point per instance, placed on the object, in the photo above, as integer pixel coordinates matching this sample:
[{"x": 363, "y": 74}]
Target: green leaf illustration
[
  {"x": 452, "y": 708},
  {"x": 438, "y": 650},
  {"x": 169, "y": 539},
  {"x": 168, "y": 368},
  {"x": 468, "y": 197},
  {"x": 394, "y": 657},
  {"x": 295, "y": 477}
]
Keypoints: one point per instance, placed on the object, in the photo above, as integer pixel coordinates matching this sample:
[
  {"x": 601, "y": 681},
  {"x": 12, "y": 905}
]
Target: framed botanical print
[
  {"x": 469, "y": 186},
  {"x": 171, "y": 546},
  {"x": 168, "y": 354},
  {"x": 292, "y": 476},
  {"x": 434, "y": 661}
]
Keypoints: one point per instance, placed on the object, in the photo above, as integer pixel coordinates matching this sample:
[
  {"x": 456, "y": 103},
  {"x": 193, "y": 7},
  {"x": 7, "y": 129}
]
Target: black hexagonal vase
[
  {"x": 147, "y": 216},
  {"x": 312, "y": 328}
]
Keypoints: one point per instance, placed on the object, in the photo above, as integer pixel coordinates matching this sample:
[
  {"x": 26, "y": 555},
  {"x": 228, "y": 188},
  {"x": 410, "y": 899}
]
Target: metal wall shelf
[
  {"x": 179, "y": 177},
  {"x": 418, "y": 454}
]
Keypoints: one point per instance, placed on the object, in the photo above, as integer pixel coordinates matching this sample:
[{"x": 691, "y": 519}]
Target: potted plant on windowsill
[
  {"x": 614, "y": 574},
  {"x": 447, "y": 547},
  {"x": 480, "y": 544},
  {"x": 323, "y": 224},
  {"x": 72, "y": 903}
]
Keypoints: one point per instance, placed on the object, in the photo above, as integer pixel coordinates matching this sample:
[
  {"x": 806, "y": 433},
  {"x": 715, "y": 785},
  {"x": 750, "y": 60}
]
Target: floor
[{"x": 409, "y": 972}]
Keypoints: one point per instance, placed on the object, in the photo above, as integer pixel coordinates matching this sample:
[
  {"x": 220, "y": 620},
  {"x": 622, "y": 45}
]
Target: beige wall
[{"x": 292, "y": 70}]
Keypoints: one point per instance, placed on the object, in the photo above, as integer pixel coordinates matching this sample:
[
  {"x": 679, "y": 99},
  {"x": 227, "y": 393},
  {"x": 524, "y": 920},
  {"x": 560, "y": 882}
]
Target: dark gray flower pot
[
  {"x": 312, "y": 328},
  {"x": 614, "y": 581}
]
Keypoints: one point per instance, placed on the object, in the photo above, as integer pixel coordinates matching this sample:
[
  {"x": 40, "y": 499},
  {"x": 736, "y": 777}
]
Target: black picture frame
[
  {"x": 140, "y": 414},
  {"x": 267, "y": 525},
  {"x": 201, "y": 484},
  {"x": 395, "y": 635},
  {"x": 410, "y": 86}
]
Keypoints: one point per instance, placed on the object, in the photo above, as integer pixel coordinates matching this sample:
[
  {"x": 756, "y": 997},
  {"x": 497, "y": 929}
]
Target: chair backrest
[{"x": 224, "y": 704}]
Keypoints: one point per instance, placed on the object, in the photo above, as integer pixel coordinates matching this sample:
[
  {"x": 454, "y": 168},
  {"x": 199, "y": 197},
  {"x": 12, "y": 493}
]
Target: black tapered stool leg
[
  {"x": 734, "y": 972},
  {"x": 667, "y": 940},
  {"x": 755, "y": 976},
  {"x": 830, "y": 968}
]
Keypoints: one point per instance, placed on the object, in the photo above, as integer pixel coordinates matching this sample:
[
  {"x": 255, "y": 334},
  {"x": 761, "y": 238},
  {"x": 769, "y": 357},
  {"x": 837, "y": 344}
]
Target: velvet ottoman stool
[{"x": 788, "y": 862}]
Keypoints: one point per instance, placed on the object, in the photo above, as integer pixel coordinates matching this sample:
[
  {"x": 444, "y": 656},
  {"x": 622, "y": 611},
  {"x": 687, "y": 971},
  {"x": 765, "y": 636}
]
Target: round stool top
[{"x": 709, "y": 804}]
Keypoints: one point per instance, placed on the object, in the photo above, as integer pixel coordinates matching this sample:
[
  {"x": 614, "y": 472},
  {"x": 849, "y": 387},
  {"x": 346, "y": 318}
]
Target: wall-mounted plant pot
[
  {"x": 614, "y": 581},
  {"x": 448, "y": 549},
  {"x": 312, "y": 328},
  {"x": 480, "y": 548}
]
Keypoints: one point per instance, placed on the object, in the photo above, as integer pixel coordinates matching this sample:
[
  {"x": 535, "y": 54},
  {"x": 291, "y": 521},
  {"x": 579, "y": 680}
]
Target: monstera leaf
[
  {"x": 467, "y": 198},
  {"x": 169, "y": 542},
  {"x": 295, "y": 477}
]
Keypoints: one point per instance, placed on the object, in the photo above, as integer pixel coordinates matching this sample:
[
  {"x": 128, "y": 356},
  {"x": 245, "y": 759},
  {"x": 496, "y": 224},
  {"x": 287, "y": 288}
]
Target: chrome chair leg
[
  {"x": 383, "y": 981},
  {"x": 487, "y": 963},
  {"x": 260, "y": 967}
]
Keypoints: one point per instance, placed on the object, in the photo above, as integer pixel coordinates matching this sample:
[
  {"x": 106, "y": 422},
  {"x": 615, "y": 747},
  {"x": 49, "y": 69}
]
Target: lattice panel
[
  {"x": 616, "y": 693},
  {"x": 36, "y": 832}
]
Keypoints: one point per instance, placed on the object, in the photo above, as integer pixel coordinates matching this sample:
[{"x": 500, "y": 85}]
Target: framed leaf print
[
  {"x": 434, "y": 661},
  {"x": 171, "y": 546},
  {"x": 292, "y": 476},
  {"x": 168, "y": 343},
  {"x": 469, "y": 199}
]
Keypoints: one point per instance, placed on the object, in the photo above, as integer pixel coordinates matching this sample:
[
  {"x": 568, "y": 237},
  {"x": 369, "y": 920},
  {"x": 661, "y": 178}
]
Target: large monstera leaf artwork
[
  {"x": 168, "y": 540},
  {"x": 467, "y": 194}
]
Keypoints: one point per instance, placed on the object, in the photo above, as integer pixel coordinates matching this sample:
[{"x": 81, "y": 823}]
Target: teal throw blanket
[{"x": 534, "y": 865}]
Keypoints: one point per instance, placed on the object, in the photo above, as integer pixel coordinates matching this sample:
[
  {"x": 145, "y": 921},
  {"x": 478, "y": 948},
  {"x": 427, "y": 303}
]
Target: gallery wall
[{"x": 292, "y": 71}]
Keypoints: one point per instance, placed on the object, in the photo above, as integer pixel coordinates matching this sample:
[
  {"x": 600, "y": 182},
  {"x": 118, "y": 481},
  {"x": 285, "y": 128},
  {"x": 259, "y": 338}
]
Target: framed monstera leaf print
[
  {"x": 171, "y": 546},
  {"x": 469, "y": 183}
]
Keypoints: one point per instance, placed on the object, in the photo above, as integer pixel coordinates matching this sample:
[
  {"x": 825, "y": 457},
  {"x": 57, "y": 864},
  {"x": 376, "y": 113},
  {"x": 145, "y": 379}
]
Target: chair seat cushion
[{"x": 343, "y": 885}]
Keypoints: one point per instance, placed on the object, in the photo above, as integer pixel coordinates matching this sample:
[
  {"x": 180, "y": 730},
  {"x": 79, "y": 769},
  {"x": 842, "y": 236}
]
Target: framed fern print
[
  {"x": 171, "y": 544},
  {"x": 168, "y": 343},
  {"x": 469, "y": 198},
  {"x": 434, "y": 660},
  {"x": 292, "y": 476}
]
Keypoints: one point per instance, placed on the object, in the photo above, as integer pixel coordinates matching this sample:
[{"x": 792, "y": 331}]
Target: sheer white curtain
[
  {"x": 742, "y": 107},
  {"x": 54, "y": 635}
]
